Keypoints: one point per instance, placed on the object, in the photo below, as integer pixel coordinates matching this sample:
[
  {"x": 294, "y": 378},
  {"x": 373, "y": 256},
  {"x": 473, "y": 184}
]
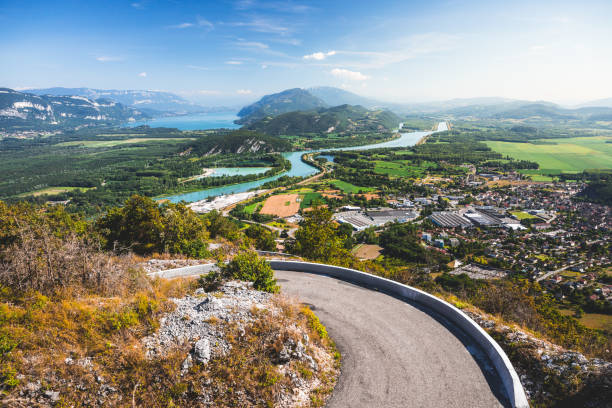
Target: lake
[{"x": 197, "y": 121}]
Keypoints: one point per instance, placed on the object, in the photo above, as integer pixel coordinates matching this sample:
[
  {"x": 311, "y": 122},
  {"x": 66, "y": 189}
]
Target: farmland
[
  {"x": 284, "y": 205},
  {"x": 348, "y": 187},
  {"x": 400, "y": 168},
  {"x": 561, "y": 155}
]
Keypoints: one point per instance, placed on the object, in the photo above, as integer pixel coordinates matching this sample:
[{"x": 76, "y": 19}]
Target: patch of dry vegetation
[{"x": 72, "y": 320}]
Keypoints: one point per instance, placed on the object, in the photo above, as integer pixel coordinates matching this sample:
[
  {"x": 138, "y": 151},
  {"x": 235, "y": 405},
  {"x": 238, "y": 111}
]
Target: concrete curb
[
  {"x": 503, "y": 366},
  {"x": 184, "y": 271}
]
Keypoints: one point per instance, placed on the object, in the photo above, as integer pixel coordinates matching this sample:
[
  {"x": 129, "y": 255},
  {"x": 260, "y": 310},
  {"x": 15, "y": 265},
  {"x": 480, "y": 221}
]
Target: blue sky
[{"x": 220, "y": 52}]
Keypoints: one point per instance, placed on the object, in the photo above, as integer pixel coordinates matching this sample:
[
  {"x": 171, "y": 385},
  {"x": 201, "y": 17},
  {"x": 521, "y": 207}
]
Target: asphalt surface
[{"x": 395, "y": 354}]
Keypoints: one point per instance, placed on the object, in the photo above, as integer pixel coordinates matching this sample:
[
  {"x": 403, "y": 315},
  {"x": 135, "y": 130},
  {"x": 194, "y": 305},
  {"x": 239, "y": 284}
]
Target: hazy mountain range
[
  {"x": 153, "y": 102},
  {"x": 26, "y": 111},
  {"x": 60, "y": 108}
]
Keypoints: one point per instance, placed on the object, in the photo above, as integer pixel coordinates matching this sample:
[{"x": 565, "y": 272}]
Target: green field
[
  {"x": 251, "y": 208},
  {"x": 311, "y": 198},
  {"x": 566, "y": 155},
  {"x": 349, "y": 188},
  {"x": 111, "y": 143},
  {"x": 521, "y": 215},
  {"x": 400, "y": 168}
]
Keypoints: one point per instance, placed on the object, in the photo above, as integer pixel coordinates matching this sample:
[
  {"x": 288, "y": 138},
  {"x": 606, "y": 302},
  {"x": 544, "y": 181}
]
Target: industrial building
[{"x": 449, "y": 219}]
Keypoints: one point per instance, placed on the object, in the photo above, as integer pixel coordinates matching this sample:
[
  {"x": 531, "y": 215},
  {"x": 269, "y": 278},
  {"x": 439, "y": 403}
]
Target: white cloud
[
  {"x": 263, "y": 25},
  {"x": 138, "y": 5},
  {"x": 200, "y": 23},
  {"x": 244, "y": 92},
  {"x": 350, "y": 75},
  {"x": 181, "y": 25},
  {"x": 233, "y": 62},
  {"x": 106, "y": 58},
  {"x": 264, "y": 66},
  {"x": 319, "y": 56},
  {"x": 143, "y": 74},
  {"x": 198, "y": 67},
  {"x": 252, "y": 44}
]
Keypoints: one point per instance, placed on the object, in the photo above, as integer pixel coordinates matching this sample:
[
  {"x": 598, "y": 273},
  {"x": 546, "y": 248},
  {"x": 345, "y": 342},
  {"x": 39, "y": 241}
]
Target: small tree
[
  {"x": 318, "y": 239},
  {"x": 248, "y": 266}
]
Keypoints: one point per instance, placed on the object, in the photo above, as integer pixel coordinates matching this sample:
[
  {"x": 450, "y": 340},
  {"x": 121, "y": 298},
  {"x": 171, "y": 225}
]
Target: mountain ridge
[
  {"x": 153, "y": 101},
  {"x": 337, "y": 119},
  {"x": 26, "y": 111}
]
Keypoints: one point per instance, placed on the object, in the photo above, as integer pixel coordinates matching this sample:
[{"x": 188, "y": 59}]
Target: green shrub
[{"x": 248, "y": 266}]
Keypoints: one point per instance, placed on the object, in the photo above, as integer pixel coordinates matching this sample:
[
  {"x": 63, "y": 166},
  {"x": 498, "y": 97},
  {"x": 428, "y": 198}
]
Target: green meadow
[
  {"x": 348, "y": 187},
  {"x": 563, "y": 155}
]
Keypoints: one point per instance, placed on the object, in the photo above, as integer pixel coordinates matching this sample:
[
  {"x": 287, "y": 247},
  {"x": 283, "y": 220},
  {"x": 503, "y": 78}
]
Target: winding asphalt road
[{"x": 395, "y": 354}]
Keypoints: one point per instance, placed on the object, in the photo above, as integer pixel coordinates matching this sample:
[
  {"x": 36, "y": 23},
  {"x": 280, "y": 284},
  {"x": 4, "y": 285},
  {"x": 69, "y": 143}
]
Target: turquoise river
[{"x": 298, "y": 167}]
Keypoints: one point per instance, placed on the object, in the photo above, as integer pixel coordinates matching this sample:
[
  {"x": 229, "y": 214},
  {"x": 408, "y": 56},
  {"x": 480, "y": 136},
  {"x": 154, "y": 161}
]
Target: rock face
[
  {"x": 549, "y": 372},
  {"x": 201, "y": 351},
  {"x": 200, "y": 324},
  {"x": 196, "y": 320}
]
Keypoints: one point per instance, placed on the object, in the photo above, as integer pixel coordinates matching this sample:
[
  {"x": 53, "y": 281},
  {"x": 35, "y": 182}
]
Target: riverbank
[{"x": 299, "y": 168}]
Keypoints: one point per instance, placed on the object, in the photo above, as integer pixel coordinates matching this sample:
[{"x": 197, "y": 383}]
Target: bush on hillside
[
  {"x": 246, "y": 266},
  {"x": 145, "y": 227}
]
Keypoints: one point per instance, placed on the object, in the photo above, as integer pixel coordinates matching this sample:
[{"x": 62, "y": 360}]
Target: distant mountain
[
  {"x": 153, "y": 102},
  {"x": 554, "y": 112},
  {"x": 607, "y": 102},
  {"x": 338, "y": 119},
  {"x": 286, "y": 101},
  {"x": 238, "y": 141},
  {"x": 336, "y": 96},
  {"x": 26, "y": 111}
]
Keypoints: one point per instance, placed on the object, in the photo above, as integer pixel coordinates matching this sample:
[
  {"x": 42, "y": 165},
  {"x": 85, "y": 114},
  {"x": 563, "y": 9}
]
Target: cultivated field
[
  {"x": 562, "y": 155},
  {"x": 366, "y": 251},
  {"x": 348, "y": 187},
  {"x": 284, "y": 205}
]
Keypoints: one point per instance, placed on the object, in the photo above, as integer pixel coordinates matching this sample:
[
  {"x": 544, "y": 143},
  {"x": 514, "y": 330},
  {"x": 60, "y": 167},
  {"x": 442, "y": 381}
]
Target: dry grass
[
  {"x": 368, "y": 251},
  {"x": 89, "y": 350},
  {"x": 283, "y": 205}
]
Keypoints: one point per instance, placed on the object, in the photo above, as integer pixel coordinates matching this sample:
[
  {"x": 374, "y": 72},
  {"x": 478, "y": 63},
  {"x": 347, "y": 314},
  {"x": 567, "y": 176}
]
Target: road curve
[{"x": 395, "y": 354}]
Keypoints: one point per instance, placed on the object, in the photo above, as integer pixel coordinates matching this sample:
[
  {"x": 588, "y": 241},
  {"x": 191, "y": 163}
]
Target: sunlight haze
[{"x": 236, "y": 51}]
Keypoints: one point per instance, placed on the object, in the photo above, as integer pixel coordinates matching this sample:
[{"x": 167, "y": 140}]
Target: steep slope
[
  {"x": 286, "y": 101},
  {"x": 336, "y": 96},
  {"x": 338, "y": 119},
  {"x": 148, "y": 100},
  {"x": 239, "y": 141},
  {"x": 25, "y": 111}
]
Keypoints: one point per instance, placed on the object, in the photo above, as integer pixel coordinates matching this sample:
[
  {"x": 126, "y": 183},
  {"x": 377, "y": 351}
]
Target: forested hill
[
  {"x": 25, "y": 111},
  {"x": 287, "y": 101},
  {"x": 338, "y": 119},
  {"x": 239, "y": 141}
]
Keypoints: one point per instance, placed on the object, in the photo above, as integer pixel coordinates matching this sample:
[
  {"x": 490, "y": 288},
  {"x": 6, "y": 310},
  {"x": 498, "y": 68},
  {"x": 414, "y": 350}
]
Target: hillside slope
[
  {"x": 239, "y": 141},
  {"x": 275, "y": 104},
  {"x": 336, "y": 96},
  {"x": 338, "y": 119}
]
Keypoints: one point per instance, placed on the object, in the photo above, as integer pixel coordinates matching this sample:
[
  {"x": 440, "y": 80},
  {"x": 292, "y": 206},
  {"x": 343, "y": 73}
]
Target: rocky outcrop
[{"x": 550, "y": 374}]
